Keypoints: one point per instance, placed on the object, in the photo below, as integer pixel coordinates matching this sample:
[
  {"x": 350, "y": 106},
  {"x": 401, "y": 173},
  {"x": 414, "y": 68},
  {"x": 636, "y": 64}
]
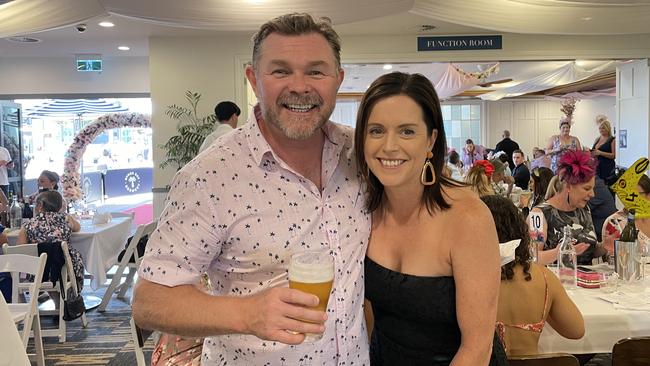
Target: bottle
[
  {"x": 567, "y": 261},
  {"x": 15, "y": 214},
  {"x": 626, "y": 248}
]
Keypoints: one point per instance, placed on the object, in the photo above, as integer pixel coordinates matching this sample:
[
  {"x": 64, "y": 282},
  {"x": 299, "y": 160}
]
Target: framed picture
[{"x": 622, "y": 139}]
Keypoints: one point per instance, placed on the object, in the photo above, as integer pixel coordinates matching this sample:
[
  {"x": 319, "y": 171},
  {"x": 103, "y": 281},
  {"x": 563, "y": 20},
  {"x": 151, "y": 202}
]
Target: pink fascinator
[{"x": 576, "y": 167}]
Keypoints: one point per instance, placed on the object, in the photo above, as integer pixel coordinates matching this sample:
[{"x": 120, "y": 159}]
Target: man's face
[
  {"x": 296, "y": 80},
  {"x": 517, "y": 158}
]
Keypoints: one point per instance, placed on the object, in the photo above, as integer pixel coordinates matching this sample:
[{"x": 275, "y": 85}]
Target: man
[
  {"x": 227, "y": 115},
  {"x": 283, "y": 183},
  {"x": 520, "y": 172},
  {"x": 5, "y": 163},
  {"x": 508, "y": 146}
]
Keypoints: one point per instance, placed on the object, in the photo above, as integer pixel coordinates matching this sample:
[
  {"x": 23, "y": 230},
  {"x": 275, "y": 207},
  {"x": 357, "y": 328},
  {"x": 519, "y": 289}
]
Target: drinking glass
[
  {"x": 608, "y": 282},
  {"x": 313, "y": 272}
]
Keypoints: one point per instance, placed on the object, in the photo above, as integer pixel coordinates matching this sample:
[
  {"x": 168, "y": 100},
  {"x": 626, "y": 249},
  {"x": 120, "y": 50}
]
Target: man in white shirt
[
  {"x": 227, "y": 114},
  {"x": 285, "y": 182},
  {"x": 5, "y": 162}
]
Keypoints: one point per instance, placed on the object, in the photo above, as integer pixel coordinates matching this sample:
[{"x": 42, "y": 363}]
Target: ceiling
[{"x": 54, "y": 24}]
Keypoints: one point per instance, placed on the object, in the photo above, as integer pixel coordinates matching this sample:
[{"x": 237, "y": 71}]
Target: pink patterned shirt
[{"x": 238, "y": 212}]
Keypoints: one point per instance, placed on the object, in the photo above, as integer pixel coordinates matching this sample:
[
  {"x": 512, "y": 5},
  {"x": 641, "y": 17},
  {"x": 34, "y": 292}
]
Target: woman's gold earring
[{"x": 428, "y": 166}]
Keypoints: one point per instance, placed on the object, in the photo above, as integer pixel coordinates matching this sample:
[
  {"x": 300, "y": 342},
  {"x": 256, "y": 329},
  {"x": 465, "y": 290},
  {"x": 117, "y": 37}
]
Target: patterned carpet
[{"x": 106, "y": 340}]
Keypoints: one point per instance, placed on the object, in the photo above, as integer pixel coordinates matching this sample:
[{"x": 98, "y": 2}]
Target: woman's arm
[
  {"x": 73, "y": 223},
  {"x": 563, "y": 315},
  {"x": 549, "y": 146},
  {"x": 22, "y": 236},
  {"x": 578, "y": 146},
  {"x": 475, "y": 265}
]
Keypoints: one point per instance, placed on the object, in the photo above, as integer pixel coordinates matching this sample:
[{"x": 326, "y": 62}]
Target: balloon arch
[{"x": 72, "y": 190}]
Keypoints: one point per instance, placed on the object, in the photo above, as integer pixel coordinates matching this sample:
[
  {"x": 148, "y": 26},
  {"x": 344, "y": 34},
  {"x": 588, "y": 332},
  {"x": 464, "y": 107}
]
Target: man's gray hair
[{"x": 296, "y": 24}]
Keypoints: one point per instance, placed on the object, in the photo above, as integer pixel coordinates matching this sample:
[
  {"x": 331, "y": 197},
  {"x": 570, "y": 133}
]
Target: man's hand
[{"x": 273, "y": 315}]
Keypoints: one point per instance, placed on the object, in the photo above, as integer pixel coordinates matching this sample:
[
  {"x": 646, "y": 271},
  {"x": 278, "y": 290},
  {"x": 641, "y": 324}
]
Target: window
[{"x": 462, "y": 122}]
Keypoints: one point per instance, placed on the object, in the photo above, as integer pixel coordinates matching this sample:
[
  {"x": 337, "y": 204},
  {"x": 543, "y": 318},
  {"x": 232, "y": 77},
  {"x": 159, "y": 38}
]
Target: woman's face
[
  {"x": 44, "y": 182},
  {"x": 603, "y": 131},
  {"x": 580, "y": 194},
  {"x": 565, "y": 129},
  {"x": 469, "y": 147},
  {"x": 396, "y": 142}
]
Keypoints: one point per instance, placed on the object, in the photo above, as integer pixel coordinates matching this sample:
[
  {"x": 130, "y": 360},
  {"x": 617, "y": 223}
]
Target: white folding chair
[
  {"x": 125, "y": 262},
  {"x": 27, "y": 314},
  {"x": 139, "y": 336},
  {"x": 67, "y": 278}
]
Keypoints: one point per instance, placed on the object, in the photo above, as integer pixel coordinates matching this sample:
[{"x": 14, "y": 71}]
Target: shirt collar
[{"x": 335, "y": 135}]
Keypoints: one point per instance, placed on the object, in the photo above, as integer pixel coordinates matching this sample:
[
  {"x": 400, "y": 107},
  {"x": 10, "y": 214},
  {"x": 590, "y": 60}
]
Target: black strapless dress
[{"x": 415, "y": 319}]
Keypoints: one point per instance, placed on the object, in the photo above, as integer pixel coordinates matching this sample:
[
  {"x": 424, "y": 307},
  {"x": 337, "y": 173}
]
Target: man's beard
[{"x": 296, "y": 127}]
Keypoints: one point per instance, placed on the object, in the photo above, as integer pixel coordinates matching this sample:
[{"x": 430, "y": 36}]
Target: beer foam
[{"x": 309, "y": 267}]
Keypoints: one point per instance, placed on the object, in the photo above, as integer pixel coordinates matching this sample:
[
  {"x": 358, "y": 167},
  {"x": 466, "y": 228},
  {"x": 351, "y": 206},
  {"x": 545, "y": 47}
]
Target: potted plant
[{"x": 192, "y": 130}]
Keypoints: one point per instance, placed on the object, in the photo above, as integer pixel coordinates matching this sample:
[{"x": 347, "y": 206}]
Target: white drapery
[{"x": 569, "y": 73}]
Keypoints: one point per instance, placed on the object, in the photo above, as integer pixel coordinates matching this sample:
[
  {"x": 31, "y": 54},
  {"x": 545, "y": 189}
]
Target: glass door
[{"x": 10, "y": 117}]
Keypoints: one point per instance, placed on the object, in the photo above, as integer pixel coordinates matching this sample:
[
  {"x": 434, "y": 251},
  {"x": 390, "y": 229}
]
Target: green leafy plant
[{"x": 192, "y": 130}]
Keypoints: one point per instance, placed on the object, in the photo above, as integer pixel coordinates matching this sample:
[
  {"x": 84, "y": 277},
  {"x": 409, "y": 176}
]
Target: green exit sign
[{"x": 89, "y": 65}]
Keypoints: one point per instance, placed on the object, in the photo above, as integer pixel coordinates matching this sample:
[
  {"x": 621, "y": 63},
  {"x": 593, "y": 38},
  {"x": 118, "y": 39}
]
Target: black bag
[{"x": 73, "y": 305}]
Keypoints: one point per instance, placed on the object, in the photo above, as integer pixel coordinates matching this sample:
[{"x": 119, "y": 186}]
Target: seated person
[
  {"x": 479, "y": 178},
  {"x": 539, "y": 183},
  {"x": 520, "y": 326},
  {"x": 614, "y": 224},
  {"x": 501, "y": 175},
  {"x": 540, "y": 159},
  {"x": 568, "y": 207},
  {"x": 50, "y": 224},
  {"x": 47, "y": 181},
  {"x": 455, "y": 166}
]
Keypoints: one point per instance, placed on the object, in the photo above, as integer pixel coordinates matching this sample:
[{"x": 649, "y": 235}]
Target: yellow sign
[{"x": 625, "y": 189}]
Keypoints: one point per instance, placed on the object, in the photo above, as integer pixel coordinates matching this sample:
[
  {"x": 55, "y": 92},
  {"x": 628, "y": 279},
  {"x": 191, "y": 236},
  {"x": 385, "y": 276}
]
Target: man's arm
[{"x": 185, "y": 310}]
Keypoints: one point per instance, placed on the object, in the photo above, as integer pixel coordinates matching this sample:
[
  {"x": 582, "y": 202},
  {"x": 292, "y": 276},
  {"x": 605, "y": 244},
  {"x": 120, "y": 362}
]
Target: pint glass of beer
[{"x": 313, "y": 272}]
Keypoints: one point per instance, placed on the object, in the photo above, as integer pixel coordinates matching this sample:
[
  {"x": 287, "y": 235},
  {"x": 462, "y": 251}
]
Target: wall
[
  {"x": 209, "y": 66},
  {"x": 58, "y": 76},
  {"x": 633, "y": 102}
]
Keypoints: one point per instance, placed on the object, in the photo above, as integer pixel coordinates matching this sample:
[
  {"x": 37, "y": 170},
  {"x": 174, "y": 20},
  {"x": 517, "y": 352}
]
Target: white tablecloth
[
  {"x": 99, "y": 245},
  {"x": 604, "y": 325}
]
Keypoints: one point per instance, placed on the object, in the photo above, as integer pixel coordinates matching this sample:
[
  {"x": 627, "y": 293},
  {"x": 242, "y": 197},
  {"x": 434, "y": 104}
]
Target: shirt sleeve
[{"x": 185, "y": 241}]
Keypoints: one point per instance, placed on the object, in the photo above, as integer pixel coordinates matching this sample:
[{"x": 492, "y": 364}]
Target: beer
[{"x": 313, "y": 272}]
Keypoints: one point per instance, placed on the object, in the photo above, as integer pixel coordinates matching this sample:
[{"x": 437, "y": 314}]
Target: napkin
[
  {"x": 102, "y": 218},
  {"x": 507, "y": 251}
]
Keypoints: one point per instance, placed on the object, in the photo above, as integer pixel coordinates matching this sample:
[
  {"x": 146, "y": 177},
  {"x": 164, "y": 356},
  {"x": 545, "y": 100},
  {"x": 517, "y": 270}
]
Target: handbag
[{"x": 73, "y": 305}]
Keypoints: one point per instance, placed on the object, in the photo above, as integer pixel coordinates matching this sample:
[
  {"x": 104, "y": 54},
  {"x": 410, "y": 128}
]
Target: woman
[
  {"x": 47, "y": 181},
  {"x": 614, "y": 224},
  {"x": 540, "y": 159},
  {"x": 539, "y": 180},
  {"x": 546, "y": 300},
  {"x": 428, "y": 305},
  {"x": 50, "y": 224},
  {"x": 558, "y": 144},
  {"x": 479, "y": 178},
  {"x": 604, "y": 149},
  {"x": 455, "y": 166},
  {"x": 568, "y": 207},
  {"x": 471, "y": 153}
]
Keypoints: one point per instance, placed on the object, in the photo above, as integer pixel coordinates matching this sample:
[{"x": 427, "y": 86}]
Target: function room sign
[{"x": 459, "y": 43}]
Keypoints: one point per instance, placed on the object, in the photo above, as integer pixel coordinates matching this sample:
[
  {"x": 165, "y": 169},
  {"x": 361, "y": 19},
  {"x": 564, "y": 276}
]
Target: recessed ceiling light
[
  {"x": 388, "y": 67},
  {"x": 106, "y": 24},
  {"x": 586, "y": 18},
  {"x": 124, "y": 48}
]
